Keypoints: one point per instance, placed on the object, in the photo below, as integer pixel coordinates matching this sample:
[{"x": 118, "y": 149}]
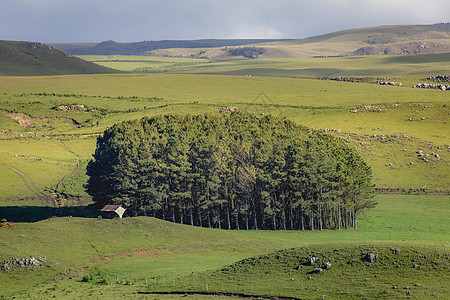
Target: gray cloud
[{"x": 136, "y": 20}]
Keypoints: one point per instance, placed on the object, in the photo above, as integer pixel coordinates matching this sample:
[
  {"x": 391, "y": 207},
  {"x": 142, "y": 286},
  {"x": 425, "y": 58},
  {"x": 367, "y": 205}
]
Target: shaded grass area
[{"x": 21, "y": 212}]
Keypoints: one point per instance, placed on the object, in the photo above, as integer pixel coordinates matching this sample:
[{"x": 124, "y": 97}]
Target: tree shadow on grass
[{"x": 39, "y": 213}]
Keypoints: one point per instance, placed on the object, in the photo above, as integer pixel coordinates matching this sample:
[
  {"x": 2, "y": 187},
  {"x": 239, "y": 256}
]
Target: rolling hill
[
  {"x": 135, "y": 48},
  {"x": 31, "y": 58},
  {"x": 405, "y": 39}
]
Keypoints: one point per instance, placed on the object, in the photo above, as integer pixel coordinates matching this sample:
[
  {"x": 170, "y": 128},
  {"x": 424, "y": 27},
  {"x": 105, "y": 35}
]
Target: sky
[{"x": 76, "y": 21}]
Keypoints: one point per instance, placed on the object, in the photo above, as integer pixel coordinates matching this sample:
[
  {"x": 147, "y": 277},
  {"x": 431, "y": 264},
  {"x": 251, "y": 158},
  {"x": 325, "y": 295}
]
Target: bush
[
  {"x": 86, "y": 278},
  {"x": 3, "y": 220},
  {"x": 99, "y": 217}
]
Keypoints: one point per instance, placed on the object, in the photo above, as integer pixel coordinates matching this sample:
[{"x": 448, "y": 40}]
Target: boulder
[
  {"x": 395, "y": 250},
  {"x": 370, "y": 257},
  {"x": 327, "y": 265},
  {"x": 312, "y": 260}
]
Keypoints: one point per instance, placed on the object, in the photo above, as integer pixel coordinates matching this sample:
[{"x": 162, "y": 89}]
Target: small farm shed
[{"x": 112, "y": 211}]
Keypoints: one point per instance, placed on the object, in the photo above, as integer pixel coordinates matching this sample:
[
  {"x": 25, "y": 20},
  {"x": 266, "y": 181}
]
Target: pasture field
[
  {"x": 133, "y": 250},
  {"x": 38, "y": 138},
  {"x": 370, "y": 65},
  {"x": 142, "y": 64}
]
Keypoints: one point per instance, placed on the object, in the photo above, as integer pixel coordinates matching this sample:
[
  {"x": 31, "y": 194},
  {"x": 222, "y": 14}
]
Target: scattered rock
[
  {"x": 345, "y": 79},
  {"x": 365, "y": 107},
  {"x": 417, "y": 284},
  {"x": 395, "y": 250},
  {"x": 317, "y": 270},
  {"x": 327, "y": 265}
]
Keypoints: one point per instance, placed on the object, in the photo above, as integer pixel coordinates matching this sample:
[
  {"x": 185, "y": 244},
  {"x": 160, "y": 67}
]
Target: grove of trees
[{"x": 230, "y": 171}]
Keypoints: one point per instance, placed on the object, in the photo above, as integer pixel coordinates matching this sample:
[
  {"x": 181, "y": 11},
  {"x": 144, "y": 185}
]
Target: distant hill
[
  {"x": 403, "y": 39},
  {"x": 31, "y": 58},
  {"x": 114, "y": 48}
]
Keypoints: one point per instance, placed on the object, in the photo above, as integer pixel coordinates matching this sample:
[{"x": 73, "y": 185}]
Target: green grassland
[
  {"x": 67, "y": 138},
  {"x": 142, "y": 64},
  {"x": 44, "y": 151},
  {"x": 371, "y": 65}
]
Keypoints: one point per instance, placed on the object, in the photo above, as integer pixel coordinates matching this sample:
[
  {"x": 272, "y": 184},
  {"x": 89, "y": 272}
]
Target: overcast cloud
[{"x": 138, "y": 20}]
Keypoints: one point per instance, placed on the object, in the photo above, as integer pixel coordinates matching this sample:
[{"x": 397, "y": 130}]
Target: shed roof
[{"x": 110, "y": 208}]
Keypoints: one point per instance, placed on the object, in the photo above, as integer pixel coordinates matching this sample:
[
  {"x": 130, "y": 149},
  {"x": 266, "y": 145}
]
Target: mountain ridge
[{"x": 385, "y": 39}]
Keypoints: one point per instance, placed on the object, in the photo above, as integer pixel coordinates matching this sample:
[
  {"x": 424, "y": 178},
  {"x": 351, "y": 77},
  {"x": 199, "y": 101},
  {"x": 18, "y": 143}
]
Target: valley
[{"x": 50, "y": 123}]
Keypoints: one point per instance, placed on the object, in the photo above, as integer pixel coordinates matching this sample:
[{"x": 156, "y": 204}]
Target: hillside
[
  {"x": 31, "y": 58},
  {"x": 135, "y": 48},
  {"x": 405, "y": 39},
  {"x": 126, "y": 253}
]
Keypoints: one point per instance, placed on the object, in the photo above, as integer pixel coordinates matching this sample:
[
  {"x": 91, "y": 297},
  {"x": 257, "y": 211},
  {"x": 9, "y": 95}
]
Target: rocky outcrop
[
  {"x": 71, "y": 107},
  {"x": 438, "y": 86},
  {"x": 440, "y": 78},
  {"x": 381, "y": 82},
  {"x": 18, "y": 263},
  {"x": 229, "y": 109}
]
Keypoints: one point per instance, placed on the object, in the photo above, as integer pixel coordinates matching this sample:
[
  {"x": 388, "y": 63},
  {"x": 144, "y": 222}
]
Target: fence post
[{"x": 206, "y": 286}]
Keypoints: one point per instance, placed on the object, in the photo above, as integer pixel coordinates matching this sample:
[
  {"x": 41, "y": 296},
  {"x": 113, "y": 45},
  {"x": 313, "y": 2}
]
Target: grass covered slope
[
  {"x": 393, "y": 39},
  {"x": 30, "y": 58},
  {"x": 340, "y": 271},
  {"x": 397, "y": 39},
  {"x": 134, "y": 249}
]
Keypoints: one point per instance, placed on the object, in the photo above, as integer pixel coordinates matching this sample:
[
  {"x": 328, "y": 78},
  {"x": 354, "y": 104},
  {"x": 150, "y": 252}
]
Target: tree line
[{"x": 230, "y": 171}]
